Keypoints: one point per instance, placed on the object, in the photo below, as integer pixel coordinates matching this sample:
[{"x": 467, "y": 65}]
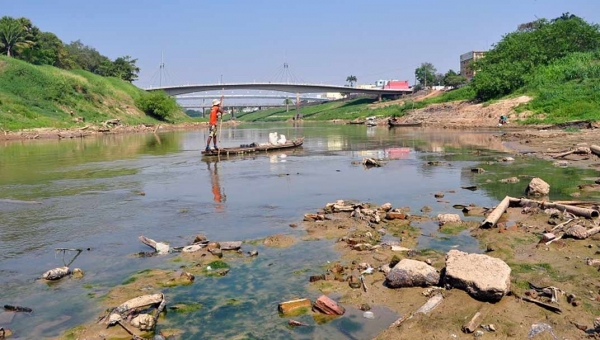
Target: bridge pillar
[{"x": 379, "y": 97}]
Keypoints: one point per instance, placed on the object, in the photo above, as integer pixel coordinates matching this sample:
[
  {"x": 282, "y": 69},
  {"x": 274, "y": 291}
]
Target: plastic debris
[
  {"x": 539, "y": 328},
  {"x": 368, "y": 315}
]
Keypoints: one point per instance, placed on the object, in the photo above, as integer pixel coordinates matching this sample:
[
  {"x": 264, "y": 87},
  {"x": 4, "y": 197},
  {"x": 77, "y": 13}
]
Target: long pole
[{"x": 221, "y": 123}]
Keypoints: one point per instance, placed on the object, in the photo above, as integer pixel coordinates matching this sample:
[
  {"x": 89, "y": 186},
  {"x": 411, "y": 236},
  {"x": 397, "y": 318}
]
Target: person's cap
[{"x": 216, "y": 102}]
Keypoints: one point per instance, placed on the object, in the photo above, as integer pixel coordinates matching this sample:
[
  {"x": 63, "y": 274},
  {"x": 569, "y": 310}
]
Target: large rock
[
  {"x": 144, "y": 322},
  {"x": 412, "y": 273},
  {"x": 484, "y": 277},
  {"x": 577, "y": 231},
  {"x": 448, "y": 218},
  {"x": 537, "y": 187}
]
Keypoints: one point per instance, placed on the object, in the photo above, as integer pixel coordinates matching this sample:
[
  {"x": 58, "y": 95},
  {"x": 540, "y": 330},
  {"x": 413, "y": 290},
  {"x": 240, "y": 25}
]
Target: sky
[{"x": 322, "y": 41}]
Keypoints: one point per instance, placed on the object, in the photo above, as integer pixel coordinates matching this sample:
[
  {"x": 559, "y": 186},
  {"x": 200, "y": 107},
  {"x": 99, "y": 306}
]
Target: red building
[{"x": 396, "y": 85}]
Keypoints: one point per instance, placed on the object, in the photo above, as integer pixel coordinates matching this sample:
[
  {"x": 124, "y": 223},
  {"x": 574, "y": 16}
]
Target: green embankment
[
  {"x": 44, "y": 96},
  {"x": 343, "y": 109}
]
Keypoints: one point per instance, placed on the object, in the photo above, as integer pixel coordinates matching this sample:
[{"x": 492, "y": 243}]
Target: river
[{"x": 100, "y": 194}]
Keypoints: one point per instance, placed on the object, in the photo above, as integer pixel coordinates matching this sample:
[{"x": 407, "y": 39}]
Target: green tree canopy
[
  {"x": 425, "y": 74},
  {"x": 454, "y": 79},
  {"x": 513, "y": 60},
  {"x": 14, "y": 35},
  {"x": 351, "y": 79}
]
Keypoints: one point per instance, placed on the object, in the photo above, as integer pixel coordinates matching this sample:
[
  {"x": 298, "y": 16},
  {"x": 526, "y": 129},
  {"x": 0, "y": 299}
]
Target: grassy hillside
[
  {"x": 44, "y": 96},
  {"x": 346, "y": 109}
]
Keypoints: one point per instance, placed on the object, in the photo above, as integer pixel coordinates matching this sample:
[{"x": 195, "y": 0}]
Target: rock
[
  {"x": 412, "y": 273},
  {"x": 438, "y": 195},
  {"x": 392, "y": 215},
  {"x": 315, "y": 278},
  {"x": 561, "y": 164},
  {"x": 327, "y": 306},
  {"x": 510, "y": 180},
  {"x": 597, "y": 181},
  {"x": 385, "y": 269},
  {"x": 293, "y": 225},
  {"x": 354, "y": 282},
  {"x": 191, "y": 249},
  {"x": 399, "y": 248},
  {"x": 448, "y": 218},
  {"x": 537, "y": 187},
  {"x": 5, "y": 333},
  {"x": 253, "y": 253},
  {"x": 77, "y": 273},
  {"x": 483, "y": 277},
  {"x": 216, "y": 252},
  {"x": 200, "y": 238},
  {"x": 289, "y": 306},
  {"x": 489, "y": 328},
  {"x": 213, "y": 245},
  {"x": 188, "y": 277},
  {"x": 478, "y": 334},
  {"x": 507, "y": 159},
  {"x": 428, "y": 261},
  {"x": 426, "y": 209},
  {"x": 386, "y": 207},
  {"x": 577, "y": 231},
  {"x": 145, "y": 322},
  {"x": 478, "y": 170},
  {"x": 233, "y": 245},
  {"x": 548, "y": 237}
]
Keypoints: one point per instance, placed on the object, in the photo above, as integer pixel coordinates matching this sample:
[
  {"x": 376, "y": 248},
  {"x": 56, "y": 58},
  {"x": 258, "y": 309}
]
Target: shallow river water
[{"x": 102, "y": 193}]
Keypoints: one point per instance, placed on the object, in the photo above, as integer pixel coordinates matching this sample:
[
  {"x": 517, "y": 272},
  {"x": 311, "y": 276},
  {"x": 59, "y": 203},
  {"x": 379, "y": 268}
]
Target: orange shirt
[{"x": 213, "y": 115}]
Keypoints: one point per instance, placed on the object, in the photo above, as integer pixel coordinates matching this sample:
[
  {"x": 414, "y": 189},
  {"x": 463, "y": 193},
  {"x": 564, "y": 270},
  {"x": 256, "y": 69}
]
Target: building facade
[{"x": 465, "y": 63}]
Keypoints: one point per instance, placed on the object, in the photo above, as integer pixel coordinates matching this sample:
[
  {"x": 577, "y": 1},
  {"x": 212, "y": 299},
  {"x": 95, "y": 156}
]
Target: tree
[
  {"x": 125, "y": 68},
  {"x": 454, "y": 79},
  {"x": 157, "y": 104},
  {"x": 46, "y": 50},
  {"x": 13, "y": 35},
  {"x": 87, "y": 57},
  {"x": 351, "y": 79},
  {"x": 425, "y": 74}
]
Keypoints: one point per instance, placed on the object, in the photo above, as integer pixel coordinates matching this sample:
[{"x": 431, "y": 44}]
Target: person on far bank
[{"x": 212, "y": 124}]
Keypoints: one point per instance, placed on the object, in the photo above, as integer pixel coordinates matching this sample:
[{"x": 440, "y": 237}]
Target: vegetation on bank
[{"x": 34, "y": 96}]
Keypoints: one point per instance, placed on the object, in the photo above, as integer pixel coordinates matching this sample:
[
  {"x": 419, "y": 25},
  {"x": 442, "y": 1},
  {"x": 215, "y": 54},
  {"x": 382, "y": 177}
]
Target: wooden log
[
  {"x": 400, "y": 321},
  {"x": 474, "y": 323},
  {"x": 431, "y": 304},
  {"x": 493, "y": 218},
  {"x": 159, "y": 247},
  {"x": 577, "y": 211},
  {"x": 327, "y": 306},
  {"x": 289, "y": 306},
  {"x": 595, "y": 149},
  {"x": 592, "y": 231},
  {"x": 544, "y": 305},
  {"x": 233, "y": 245},
  {"x": 18, "y": 309},
  {"x": 296, "y": 323},
  {"x": 563, "y": 154}
]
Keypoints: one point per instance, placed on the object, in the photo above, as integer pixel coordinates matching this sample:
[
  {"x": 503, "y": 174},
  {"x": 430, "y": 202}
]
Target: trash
[
  {"x": 368, "y": 315},
  {"x": 273, "y": 138},
  {"x": 489, "y": 328},
  {"x": 478, "y": 334},
  {"x": 538, "y": 328},
  {"x": 289, "y": 306},
  {"x": 296, "y": 323},
  {"x": 281, "y": 139},
  {"x": 431, "y": 304},
  {"x": 369, "y": 270},
  {"x": 160, "y": 247},
  {"x": 56, "y": 273},
  {"x": 327, "y": 306}
]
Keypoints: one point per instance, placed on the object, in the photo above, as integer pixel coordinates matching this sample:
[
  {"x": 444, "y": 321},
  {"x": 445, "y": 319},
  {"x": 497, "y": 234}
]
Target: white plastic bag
[
  {"x": 282, "y": 139},
  {"x": 273, "y": 138}
]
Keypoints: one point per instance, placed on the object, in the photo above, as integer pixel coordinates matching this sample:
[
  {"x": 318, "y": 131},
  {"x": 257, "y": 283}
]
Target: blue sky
[{"x": 322, "y": 41}]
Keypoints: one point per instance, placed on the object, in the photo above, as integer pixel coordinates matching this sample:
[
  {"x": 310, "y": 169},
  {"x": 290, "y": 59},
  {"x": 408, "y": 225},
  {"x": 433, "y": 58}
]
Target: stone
[
  {"x": 577, "y": 231},
  {"x": 77, "y": 273},
  {"x": 537, "y": 187},
  {"x": 327, "y": 306},
  {"x": 399, "y": 248},
  {"x": 386, "y": 207},
  {"x": 385, "y": 269},
  {"x": 213, "y": 245},
  {"x": 412, "y": 273},
  {"x": 426, "y": 209},
  {"x": 289, "y": 306},
  {"x": 392, "y": 215},
  {"x": 448, "y": 218},
  {"x": 478, "y": 170},
  {"x": 483, "y": 277},
  {"x": 597, "y": 181},
  {"x": 216, "y": 252},
  {"x": 510, "y": 180},
  {"x": 438, "y": 195},
  {"x": 200, "y": 238},
  {"x": 507, "y": 159},
  {"x": 561, "y": 163},
  {"x": 191, "y": 249},
  {"x": 354, "y": 282},
  {"x": 144, "y": 322},
  {"x": 548, "y": 237}
]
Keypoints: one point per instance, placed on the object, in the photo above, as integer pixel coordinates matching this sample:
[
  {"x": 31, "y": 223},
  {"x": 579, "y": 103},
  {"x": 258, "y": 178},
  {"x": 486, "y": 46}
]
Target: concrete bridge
[
  {"x": 249, "y": 96},
  {"x": 280, "y": 87}
]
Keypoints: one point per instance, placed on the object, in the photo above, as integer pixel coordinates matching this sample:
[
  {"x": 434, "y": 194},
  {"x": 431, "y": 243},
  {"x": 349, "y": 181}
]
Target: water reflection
[{"x": 218, "y": 193}]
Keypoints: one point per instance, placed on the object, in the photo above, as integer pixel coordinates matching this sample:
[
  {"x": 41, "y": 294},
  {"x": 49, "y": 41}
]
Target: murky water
[{"x": 103, "y": 193}]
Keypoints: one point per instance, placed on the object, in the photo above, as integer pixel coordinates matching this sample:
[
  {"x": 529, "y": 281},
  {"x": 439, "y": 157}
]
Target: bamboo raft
[{"x": 242, "y": 150}]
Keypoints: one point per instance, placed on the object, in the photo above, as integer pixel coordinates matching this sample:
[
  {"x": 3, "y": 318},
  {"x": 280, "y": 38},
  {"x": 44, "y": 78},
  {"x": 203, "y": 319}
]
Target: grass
[{"x": 44, "y": 96}]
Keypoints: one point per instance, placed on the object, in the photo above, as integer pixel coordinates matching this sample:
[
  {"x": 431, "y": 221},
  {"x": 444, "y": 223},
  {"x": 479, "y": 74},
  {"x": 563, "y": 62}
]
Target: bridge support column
[
  {"x": 297, "y": 105},
  {"x": 379, "y": 97}
]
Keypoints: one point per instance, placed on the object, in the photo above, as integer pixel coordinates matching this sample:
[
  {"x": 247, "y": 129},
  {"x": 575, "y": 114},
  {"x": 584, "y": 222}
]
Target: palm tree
[
  {"x": 351, "y": 79},
  {"x": 12, "y": 35},
  {"x": 287, "y": 102}
]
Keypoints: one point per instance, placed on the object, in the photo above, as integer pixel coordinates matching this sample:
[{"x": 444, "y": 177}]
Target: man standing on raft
[{"x": 212, "y": 124}]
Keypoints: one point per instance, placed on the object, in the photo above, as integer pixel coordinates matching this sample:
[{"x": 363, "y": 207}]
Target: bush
[{"x": 158, "y": 105}]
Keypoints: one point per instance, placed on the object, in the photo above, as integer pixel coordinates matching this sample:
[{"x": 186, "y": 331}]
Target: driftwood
[
  {"x": 18, "y": 309},
  {"x": 400, "y": 321},
  {"x": 133, "y": 336},
  {"x": 473, "y": 324},
  {"x": 159, "y": 247},
  {"x": 117, "y": 313},
  {"x": 327, "y": 306},
  {"x": 235, "y": 245},
  {"x": 582, "y": 150},
  {"x": 493, "y": 218},
  {"x": 64, "y": 251},
  {"x": 578, "y": 211},
  {"x": 56, "y": 273},
  {"x": 431, "y": 304},
  {"x": 362, "y": 281},
  {"x": 595, "y": 149},
  {"x": 544, "y": 305},
  {"x": 576, "y": 203}
]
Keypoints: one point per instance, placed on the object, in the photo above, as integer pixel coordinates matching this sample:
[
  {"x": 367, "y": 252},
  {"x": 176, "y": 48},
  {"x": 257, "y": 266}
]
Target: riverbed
[{"x": 100, "y": 194}]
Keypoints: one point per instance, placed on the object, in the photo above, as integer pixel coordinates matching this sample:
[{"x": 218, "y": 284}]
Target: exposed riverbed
[{"x": 102, "y": 193}]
